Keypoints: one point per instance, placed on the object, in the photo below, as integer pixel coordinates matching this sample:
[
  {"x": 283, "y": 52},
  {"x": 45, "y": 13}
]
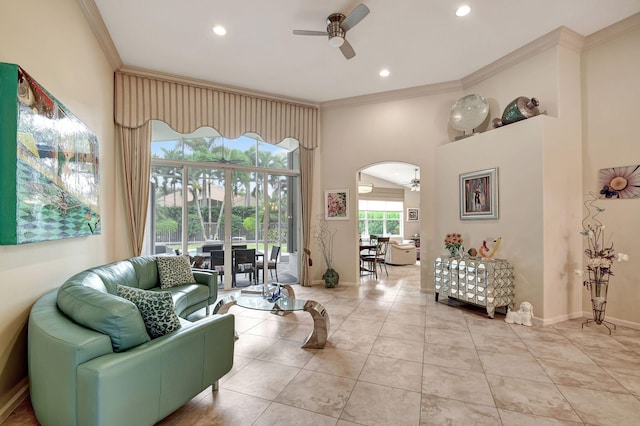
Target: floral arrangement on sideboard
[{"x": 453, "y": 243}]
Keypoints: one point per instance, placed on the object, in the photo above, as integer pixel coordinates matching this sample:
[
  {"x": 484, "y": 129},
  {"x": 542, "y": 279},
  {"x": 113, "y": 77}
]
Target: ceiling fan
[
  {"x": 415, "y": 182},
  {"x": 337, "y": 27}
]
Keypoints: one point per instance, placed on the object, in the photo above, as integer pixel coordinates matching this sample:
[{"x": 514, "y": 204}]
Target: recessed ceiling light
[
  {"x": 219, "y": 30},
  {"x": 463, "y": 10},
  {"x": 384, "y": 73}
]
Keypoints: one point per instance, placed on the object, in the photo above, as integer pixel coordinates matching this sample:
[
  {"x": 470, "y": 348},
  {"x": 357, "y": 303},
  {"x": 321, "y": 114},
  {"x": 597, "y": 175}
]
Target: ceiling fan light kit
[
  {"x": 364, "y": 188},
  {"x": 415, "y": 182},
  {"x": 337, "y": 27},
  {"x": 336, "y": 41}
]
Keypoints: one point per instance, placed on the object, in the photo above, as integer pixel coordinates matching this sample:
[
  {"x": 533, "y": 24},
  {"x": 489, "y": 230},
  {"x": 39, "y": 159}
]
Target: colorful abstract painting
[
  {"x": 619, "y": 182},
  {"x": 49, "y": 165},
  {"x": 479, "y": 194}
]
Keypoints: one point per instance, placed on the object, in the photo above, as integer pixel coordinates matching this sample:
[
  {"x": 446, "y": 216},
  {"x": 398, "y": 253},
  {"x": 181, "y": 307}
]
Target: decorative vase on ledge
[{"x": 331, "y": 278}]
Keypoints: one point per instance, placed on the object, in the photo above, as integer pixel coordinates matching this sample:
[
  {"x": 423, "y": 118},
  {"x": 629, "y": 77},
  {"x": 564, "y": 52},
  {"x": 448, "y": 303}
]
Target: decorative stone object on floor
[{"x": 522, "y": 316}]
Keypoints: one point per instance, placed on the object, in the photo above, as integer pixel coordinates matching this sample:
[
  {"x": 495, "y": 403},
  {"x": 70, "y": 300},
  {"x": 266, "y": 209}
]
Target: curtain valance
[{"x": 186, "y": 107}]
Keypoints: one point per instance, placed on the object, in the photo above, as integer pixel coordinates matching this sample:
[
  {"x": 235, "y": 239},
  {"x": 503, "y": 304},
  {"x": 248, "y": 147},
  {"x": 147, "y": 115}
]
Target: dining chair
[
  {"x": 272, "y": 263},
  {"x": 216, "y": 263},
  {"x": 244, "y": 262},
  {"x": 378, "y": 259}
]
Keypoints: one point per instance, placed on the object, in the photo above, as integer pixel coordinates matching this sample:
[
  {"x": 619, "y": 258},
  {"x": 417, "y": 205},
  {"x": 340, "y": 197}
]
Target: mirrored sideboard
[{"x": 483, "y": 282}]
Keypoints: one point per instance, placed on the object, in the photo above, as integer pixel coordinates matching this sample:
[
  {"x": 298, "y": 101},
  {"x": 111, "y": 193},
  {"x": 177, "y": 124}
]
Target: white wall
[
  {"x": 354, "y": 136},
  {"x": 611, "y": 92},
  {"x": 54, "y": 44},
  {"x": 520, "y": 186},
  {"x": 539, "y": 227},
  {"x": 541, "y": 238}
]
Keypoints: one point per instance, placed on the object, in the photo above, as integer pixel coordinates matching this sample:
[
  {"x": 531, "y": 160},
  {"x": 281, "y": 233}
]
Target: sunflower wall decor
[{"x": 619, "y": 182}]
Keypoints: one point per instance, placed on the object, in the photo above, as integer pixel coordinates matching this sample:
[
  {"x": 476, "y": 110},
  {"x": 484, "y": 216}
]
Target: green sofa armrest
[
  {"x": 210, "y": 278},
  {"x": 56, "y": 346},
  {"x": 159, "y": 376}
]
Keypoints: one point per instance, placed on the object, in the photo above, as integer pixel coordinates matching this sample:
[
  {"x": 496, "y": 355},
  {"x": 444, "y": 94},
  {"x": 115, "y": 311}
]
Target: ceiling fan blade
[
  {"x": 354, "y": 17},
  {"x": 347, "y": 50},
  {"x": 310, "y": 33}
]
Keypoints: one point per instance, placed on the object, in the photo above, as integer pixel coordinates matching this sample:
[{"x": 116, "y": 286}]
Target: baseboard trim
[{"x": 21, "y": 391}]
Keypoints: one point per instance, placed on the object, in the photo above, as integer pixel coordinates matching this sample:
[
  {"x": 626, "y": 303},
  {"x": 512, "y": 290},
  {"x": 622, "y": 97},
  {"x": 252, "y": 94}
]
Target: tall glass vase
[{"x": 598, "y": 289}]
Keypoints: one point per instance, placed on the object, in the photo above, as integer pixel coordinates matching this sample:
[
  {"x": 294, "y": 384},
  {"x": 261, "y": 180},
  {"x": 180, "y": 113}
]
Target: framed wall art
[
  {"x": 336, "y": 204},
  {"x": 413, "y": 214},
  {"x": 49, "y": 165},
  {"x": 479, "y": 194},
  {"x": 619, "y": 182}
]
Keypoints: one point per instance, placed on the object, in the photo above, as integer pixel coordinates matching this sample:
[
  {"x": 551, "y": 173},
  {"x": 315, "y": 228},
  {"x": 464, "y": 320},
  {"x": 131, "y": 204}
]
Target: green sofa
[{"x": 91, "y": 361}]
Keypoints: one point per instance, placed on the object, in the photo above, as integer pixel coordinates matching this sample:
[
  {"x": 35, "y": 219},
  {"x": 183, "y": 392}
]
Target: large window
[
  {"x": 208, "y": 190},
  {"x": 379, "y": 217}
]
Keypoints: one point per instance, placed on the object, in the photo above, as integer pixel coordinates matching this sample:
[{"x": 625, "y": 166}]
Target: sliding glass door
[{"x": 212, "y": 193}]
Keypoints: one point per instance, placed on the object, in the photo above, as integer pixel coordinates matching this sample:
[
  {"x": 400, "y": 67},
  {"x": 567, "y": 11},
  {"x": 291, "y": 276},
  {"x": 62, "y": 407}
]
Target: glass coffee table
[{"x": 252, "y": 298}]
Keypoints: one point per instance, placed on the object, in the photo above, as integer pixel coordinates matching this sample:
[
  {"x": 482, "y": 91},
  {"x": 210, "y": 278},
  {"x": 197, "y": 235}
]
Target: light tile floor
[{"x": 396, "y": 357}]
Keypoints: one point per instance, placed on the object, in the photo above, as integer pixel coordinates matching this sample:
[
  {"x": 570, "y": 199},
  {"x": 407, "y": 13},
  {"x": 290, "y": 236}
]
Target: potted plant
[{"x": 324, "y": 237}]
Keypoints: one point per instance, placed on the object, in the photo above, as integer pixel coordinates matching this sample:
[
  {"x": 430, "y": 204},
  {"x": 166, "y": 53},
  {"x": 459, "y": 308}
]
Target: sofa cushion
[
  {"x": 146, "y": 271},
  {"x": 103, "y": 312},
  {"x": 120, "y": 272},
  {"x": 156, "y": 308},
  {"x": 174, "y": 270}
]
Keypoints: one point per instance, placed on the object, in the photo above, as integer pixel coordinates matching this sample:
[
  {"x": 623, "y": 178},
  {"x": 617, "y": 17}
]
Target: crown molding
[
  {"x": 627, "y": 25},
  {"x": 562, "y": 36},
  {"x": 392, "y": 95},
  {"x": 96, "y": 23},
  {"x": 158, "y": 75}
]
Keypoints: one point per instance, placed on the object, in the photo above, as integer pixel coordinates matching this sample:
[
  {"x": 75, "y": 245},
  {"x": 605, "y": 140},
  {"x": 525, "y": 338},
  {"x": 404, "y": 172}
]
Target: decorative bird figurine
[{"x": 487, "y": 252}]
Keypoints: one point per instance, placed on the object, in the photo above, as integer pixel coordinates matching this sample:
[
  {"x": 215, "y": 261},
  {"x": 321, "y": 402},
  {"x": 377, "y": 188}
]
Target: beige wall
[
  {"x": 586, "y": 93},
  {"x": 355, "y": 136},
  {"x": 544, "y": 278},
  {"x": 53, "y": 42},
  {"x": 611, "y": 92}
]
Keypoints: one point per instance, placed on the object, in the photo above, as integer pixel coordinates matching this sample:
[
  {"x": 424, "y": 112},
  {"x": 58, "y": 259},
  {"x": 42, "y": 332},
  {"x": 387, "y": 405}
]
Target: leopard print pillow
[
  {"x": 156, "y": 308},
  {"x": 174, "y": 270}
]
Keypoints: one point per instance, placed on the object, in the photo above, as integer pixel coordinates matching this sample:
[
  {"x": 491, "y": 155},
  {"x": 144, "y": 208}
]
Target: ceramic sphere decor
[{"x": 468, "y": 113}]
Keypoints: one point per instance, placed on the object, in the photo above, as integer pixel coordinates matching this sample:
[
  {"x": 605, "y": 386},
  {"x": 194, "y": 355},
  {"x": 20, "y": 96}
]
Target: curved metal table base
[{"x": 321, "y": 323}]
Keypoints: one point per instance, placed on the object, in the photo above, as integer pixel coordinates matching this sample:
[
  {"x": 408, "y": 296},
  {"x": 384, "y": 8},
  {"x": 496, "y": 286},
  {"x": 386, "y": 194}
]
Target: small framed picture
[
  {"x": 479, "y": 194},
  {"x": 413, "y": 214},
  {"x": 336, "y": 204}
]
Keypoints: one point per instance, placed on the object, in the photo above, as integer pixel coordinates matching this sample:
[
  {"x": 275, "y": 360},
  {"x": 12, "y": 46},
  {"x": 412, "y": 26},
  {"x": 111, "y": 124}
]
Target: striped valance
[{"x": 186, "y": 107}]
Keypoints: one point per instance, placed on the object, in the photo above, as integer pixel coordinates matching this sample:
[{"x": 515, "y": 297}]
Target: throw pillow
[
  {"x": 174, "y": 270},
  {"x": 156, "y": 308}
]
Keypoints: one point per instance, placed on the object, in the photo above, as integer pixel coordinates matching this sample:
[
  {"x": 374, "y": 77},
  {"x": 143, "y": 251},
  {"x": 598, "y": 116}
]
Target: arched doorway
[{"x": 388, "y": 205}]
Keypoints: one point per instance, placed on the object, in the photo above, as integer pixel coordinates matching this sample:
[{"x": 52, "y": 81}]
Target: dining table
[{"x": 259, "y": 256}]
